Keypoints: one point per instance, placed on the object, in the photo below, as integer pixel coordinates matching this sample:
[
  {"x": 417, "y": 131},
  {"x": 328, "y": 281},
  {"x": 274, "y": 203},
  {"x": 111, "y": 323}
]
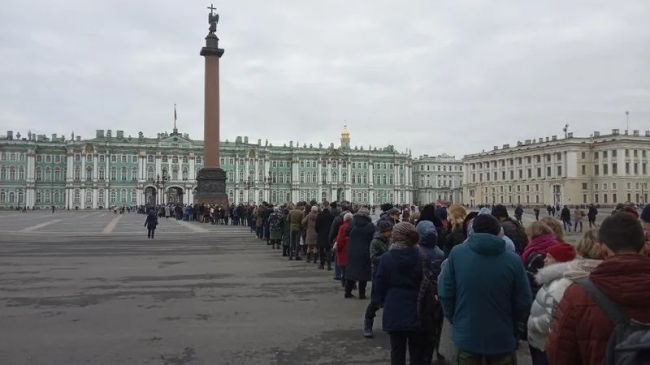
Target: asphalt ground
[{"x": 88, "y": 287}]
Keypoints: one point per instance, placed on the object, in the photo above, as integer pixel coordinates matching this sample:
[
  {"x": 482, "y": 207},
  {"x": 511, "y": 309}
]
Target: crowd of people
[{"x": 496, "y": 281}]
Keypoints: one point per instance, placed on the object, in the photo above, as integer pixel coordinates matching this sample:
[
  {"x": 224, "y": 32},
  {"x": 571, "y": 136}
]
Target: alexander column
[{"x": 211, "y": 179}]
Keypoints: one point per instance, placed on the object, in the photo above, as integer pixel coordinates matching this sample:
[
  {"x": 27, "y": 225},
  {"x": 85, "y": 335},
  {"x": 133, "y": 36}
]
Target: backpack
[
  {"x": 429, "y": 308},
  {"x": 275, "y": 221},
  {"x": 629, "y": 343}
]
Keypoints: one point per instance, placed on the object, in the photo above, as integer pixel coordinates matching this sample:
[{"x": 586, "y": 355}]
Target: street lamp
[{"x": 161, "y": 184}]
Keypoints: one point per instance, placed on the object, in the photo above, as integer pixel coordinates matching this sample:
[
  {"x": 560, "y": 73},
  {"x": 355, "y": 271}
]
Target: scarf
[{"x": 538, "y": 244}]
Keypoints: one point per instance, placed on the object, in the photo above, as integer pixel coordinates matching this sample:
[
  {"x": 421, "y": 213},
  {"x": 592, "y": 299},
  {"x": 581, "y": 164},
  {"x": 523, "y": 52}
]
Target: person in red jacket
[
  {"x": 341, "y": 245},
  {"x": 581, "y": 330}
]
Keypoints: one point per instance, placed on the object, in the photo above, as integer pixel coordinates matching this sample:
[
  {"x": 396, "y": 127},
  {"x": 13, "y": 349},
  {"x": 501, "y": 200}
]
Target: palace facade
[
  {"x": 438, "y": 178},
  {"x": 117, "y": 170},
  {"x": 600, "y": 169}
]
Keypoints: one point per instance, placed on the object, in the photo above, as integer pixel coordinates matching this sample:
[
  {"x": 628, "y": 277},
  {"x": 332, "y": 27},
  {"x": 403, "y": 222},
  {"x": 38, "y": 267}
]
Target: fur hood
[{"x": 572, "y": 270}]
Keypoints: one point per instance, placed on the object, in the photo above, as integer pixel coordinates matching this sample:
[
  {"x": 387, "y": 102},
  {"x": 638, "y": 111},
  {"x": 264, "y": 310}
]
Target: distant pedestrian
[
  {"x": 151, "y": 222},
  {"x": 536, "y": 211},
  {"x": 591, "y": 216},
  {"x": 565, "y": 217}
]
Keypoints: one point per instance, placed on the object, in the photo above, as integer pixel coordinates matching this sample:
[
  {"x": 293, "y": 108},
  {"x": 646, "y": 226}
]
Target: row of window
[
  {"x": 519, "y": 160},
  {"x": 630, "y": 169},
  {"x": 520, "y": 174},
  {"x": 613, "y": 153},
  {"x": 454, "y": 167}
]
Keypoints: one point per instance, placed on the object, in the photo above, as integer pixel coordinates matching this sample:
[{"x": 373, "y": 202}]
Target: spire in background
[{"x": 175, "y": 117}]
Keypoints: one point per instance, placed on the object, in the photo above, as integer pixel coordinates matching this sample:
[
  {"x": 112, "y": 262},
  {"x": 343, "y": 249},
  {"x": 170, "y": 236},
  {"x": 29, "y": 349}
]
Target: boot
[{"x": 367, "y": 328}]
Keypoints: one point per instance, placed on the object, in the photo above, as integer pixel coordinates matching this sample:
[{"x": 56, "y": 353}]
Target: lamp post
[{"x": 161, "y": 184}]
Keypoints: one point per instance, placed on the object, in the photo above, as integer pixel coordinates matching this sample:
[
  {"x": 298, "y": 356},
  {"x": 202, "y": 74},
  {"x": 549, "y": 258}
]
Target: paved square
[{"x": 90, "y": 288}]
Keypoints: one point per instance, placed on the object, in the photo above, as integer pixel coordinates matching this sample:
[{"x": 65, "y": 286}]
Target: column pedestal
[{"x": 211, "y": 186}]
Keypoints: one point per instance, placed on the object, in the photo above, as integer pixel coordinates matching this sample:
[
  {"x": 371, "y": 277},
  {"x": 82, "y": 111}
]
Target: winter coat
[
  {"x": 580, "y": 331},
  {"x": 361, "y": 233},
  {"x": 592, "y": 213},
  {"x": 336, "y": 224},
  {"x": 555, "y": 279},
  {"x": 309, "y": 222},
  {"x": 565, "y": 214},
  {"x": 276, "y": 225},
  {"x": 323, "y": 225},
  {"x": 295, "y": 219},
  {"x": 378, "y": 246},
  {"x": 484, "y": 292},
  {"x": 342, "y": 240},
  {"x": 396, "y": 285},
  {"x": 516, "y": 233},
  {"x": 152, "y": 221}
]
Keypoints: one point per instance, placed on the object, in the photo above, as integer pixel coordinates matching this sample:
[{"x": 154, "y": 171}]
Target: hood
[
  {"x": 624, "y": 279},
  {"x": 552, "y": 272},
  {"x": 580, "y": 268},
  {"x": 428, "y": 234},
  {"x": 486, "y": 244},
  {"x": 539, "y": 244},
  {"x": 360, "y": 220}
]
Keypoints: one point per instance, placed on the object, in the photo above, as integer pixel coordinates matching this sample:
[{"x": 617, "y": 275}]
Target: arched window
[
  {"x": 21, "y": 196},
  {"x": 123, "y": 173},
  {"x": 175, "y": 173},
  {"x": 185, "y": 173},
  {"x": 77, "y": 173},
  {"x": 48, "y": 174},
  {"x": 134, "y": 174},
  {"x": 89, "y": 173},
  {"x": 150, "y": 173},
  {"x": 21, "y": 173},
  {"x": 56, "y": 196},
  {"x": 3, "y": 196},
  {"x": 57, "y": 174},
  {"x": 39, "y": 174},
  {"x": 113, "y": 173},
  {"x": 101, "y": 196},
  {"x": 3, "y": 173},
  {"x": 38, "y": 197},
  {"x": 12, "y": 173}
]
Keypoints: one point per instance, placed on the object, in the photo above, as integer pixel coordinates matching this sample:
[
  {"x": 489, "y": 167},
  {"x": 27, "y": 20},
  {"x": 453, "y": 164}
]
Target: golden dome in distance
[{"x": 345, "y": 134}]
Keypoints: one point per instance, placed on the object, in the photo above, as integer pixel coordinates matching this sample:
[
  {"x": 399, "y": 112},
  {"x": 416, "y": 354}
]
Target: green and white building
[{"x": 38, "y": 171}]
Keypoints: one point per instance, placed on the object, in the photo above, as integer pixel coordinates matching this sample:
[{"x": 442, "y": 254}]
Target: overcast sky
[{"x": 451, "y": 77}]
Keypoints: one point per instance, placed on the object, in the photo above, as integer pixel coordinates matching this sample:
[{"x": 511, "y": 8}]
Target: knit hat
[
  {"x": 363, "y": 211},
  {"x": 645, "y": 214},
  {"x": 393, "y": 211},
  {"x": 484, "y": 223},
  {"x": 384, "y": 225},
  {"x": 405, "y": 232},
  {"x": 562, "y": 252}
]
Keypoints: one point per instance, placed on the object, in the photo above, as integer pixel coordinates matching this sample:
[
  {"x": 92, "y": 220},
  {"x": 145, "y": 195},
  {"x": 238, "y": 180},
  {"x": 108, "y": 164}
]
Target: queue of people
[{"x": 494, "y": 280}]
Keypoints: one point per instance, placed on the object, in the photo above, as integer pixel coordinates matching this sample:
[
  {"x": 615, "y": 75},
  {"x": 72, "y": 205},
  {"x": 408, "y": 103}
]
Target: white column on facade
[
  {"x": 141, "y": 168},
  {"x": 95, "y": 162},
  {"x": 95, "y": 197},
  {"x": 158, "y": 167},
  {"x": 83, "y": 167},
  {"x": 192, "y": 171}
]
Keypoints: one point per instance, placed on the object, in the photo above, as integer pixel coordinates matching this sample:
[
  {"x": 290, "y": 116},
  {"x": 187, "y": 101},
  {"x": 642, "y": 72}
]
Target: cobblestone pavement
[{"x": 73, "y": 291}]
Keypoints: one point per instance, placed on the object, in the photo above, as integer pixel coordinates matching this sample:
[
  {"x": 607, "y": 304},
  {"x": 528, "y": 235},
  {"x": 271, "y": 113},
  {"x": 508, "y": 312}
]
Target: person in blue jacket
[
  {"x": 396, "y": 285},
  {"x": 484, "y": 291}
]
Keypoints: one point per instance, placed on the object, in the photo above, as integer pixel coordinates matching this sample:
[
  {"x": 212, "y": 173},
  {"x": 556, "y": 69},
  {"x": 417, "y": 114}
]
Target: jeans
[
  {"x": 398, "y": 343},
  {"x": 468, "y": 358},
  {"x": 294, "y": 245}
]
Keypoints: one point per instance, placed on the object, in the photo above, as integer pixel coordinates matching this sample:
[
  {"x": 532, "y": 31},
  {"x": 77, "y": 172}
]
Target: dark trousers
[
  {"x": 398, "y": 344},
  {"x": 150, "y": 232},
  {"x": 294, "y": 243},
  {"x": 592, "y": 222},
  {"x": 468, "y": 358},
  {"x": 324, "y": 253},
  {"x": 575, "y": 227},
  {"x": 349, "y": 285},
  {"x": 371, "y": 310},
  {"x": 538, "y": 356}
]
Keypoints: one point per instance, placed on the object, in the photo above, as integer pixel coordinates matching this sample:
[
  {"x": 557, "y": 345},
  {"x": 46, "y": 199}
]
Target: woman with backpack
[{"x": 398, "y": 286}]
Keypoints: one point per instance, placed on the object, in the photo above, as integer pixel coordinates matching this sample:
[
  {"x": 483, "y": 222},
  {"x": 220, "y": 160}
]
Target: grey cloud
[{"x": 451, "y": 76}]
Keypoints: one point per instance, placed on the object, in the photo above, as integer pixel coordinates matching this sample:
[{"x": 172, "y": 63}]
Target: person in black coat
[
  {"x": 565, "y": 216},
  {"x": 323, "y": 224},
  {"x": 358, "y": 267},
  {"x": 151, "y": 222}
]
